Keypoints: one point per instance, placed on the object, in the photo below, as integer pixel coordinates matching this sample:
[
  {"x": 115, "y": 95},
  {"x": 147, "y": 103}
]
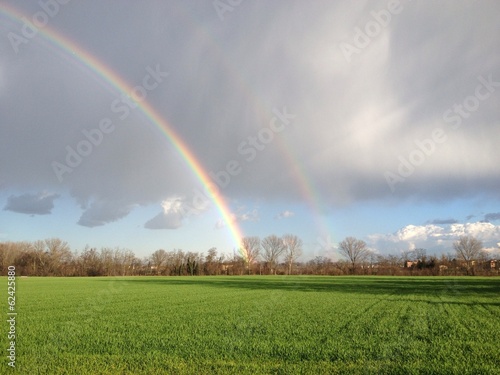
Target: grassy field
[{"x": 255, "y": 325}]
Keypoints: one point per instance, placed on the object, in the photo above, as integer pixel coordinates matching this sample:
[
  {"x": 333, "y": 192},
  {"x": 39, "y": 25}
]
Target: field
[{"x": 255, "y": 325}]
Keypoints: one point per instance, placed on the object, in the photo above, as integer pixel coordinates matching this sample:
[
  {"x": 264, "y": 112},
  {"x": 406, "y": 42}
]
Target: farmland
[{"x": 252, "y": 325}]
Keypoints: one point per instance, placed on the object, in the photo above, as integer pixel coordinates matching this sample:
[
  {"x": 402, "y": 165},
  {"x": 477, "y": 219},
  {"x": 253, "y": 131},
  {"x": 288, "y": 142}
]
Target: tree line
[{"x": 271, "y": 255}]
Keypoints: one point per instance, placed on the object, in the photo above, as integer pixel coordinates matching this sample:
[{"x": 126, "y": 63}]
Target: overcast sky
[{"x": 376, "y": 119}]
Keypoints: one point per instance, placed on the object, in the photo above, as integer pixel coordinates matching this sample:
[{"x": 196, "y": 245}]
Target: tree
[
  {"x": 250, "y": 250},
  {"x": 59, "y": 254},
  {"x": 42, "y": 257},
  {"x": 192, "y": 263},
  {"x": 91, "y": 262},
  {"x": 158, "y": 258},
  {"x": 354, "y": 250},
  {"x": 320, "y": 265},
  {"x": 210, "y": 266},
  {"x": 273, "y": 247},
  {"x": 125, "y": 262},
  {"x": 293, "y": 249},
  {"x": 468, "y": 249},
  {"x": 107, "y": 261},
  {"x": 178, "y": 263},
  {"x": 390, "y": 263},
  {"x": 420, "y": 254}
]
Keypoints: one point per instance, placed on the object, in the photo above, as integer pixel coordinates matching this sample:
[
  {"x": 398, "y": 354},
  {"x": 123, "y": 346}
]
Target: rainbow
[
  {"x": 105, "y": 74},
  {"x": 303, "y": 182}
]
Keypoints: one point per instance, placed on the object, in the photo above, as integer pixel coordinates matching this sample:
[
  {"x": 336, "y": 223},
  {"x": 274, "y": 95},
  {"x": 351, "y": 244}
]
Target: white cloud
[
  {"x": 285, "y": 215},
  {"x": 416, "y": 232},
  {"x": 172, "y": 216},
  {"x": 239, "y": 217},
  {"x": 437, "y": 239},
  {"x": 481, "y": 230}
]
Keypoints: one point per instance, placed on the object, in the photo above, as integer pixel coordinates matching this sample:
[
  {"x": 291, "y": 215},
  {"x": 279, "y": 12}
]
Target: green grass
[{"x": 256, "y": 325}]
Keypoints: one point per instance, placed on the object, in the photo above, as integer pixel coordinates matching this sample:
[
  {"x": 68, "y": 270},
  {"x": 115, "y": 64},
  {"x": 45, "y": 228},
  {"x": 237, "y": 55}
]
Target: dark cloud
[
  {"x": 355, "y": 121},
  {"x": 443, "y": 221},
  {"x": 493, "y": 216},
  {"x": 33, "y": 204},
  {"x": 103, "y": 212}
]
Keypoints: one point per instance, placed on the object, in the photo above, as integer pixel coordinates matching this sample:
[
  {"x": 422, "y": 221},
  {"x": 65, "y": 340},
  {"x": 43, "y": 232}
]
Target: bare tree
[
  {"x": 354, "y": 250},
  {"x": 158, "y": 258},
  {"x": 293, "y": 249},
  {"x": 129, "y": 260},
  {"x": 59, "y": 254},
  {"x": 91, "y": 262},
  {"x": 468, "y": 249},
  {"x": 320, "y": 265},
  {"x": 193, "y": 261},
  {"x": 40, "y": 256},
  {"x": 178, "y": 262},
  {"x": 107, "y": 261},
  {"x": 210, "y": 266},
  {"x": 22, "y": 257},
  {"x": 118, "y": 261},
  {"x": 420, "y": 254},
  {"x": 250, "y": 249},
  {"x": 273, "y": 247}
]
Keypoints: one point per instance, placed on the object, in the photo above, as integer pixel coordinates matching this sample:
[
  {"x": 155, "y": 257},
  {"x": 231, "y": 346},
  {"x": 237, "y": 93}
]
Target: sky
[{"x": 188, "y": 124}]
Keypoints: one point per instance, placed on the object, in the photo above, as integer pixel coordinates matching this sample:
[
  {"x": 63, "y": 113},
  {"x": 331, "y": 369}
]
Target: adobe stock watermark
[
  {"x": 363, "y": 37},
  {"x": 224, "y": 6},
  {"x": 122, "y": 107},
  {"x": 454, "y": 116},
  {"x": 31, "y": 28},
  {"x": 248, "y": 149},
  {"x": 471, "y": 103}
]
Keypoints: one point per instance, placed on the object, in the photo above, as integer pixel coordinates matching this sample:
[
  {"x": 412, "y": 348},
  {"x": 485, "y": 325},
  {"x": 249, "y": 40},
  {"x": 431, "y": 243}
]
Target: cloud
[
  {"x": 239, "y": 217},
  {"x": 436, "y": 238},
  {"x": 32, "y": 204},
  {"x": 444, "y": 221},
  {"x": 481, "y": 230},
  {"x": 354, "y": 121},
  {"x": 102, "y": 212},
  {"x": 493, "y": 216},
  {"x": 172, "y": 216},
  {"x": 285, "y": 215}
]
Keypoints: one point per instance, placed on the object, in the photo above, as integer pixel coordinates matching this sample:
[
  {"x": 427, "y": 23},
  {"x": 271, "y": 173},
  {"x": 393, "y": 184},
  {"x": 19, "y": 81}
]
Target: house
[{"x": 410, "y": 263}]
